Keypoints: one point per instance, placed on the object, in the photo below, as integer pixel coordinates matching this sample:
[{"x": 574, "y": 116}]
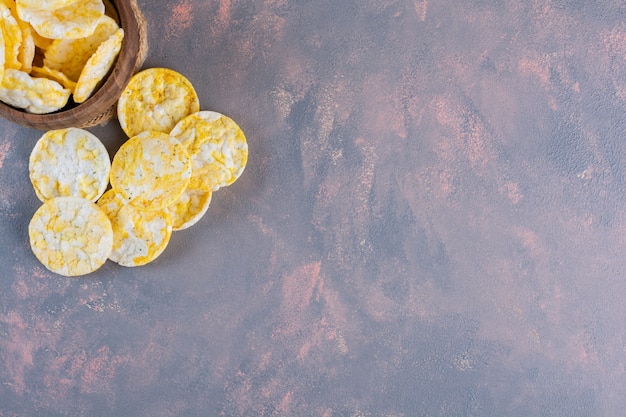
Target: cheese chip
[
  {"x": 139, "y": 236},
  {"x": 150, "y": 170},
  {"x": 35, "y": 95},
  {"x": 156, "y": 99},
  {"x": 12, "y": 37},
  {"x": 69, "y": 162},
  {"x": 71, "y": 236},
  {"x": 98, "y": 66},
  {"x": 189, "y": 208},
  {"x": 76, "y": 20},
  {"x": 217, "y": 147},
  {"x": 70, "y": 55}
]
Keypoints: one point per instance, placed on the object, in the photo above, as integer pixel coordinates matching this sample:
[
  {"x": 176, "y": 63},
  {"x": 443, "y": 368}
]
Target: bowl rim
[{"x": 106, "y": 95}]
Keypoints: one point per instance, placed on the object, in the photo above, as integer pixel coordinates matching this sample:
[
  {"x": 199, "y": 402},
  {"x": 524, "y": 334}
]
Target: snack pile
[
  {"x": 161, "y": 179},
  {"x": 54, "y": 50}
]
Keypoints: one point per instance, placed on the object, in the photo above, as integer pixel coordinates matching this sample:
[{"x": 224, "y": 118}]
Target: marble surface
[{"x": 432, "y": 222}]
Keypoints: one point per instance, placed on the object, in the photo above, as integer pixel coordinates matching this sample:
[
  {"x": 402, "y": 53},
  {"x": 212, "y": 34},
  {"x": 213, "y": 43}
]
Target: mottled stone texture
[{"x": 432, "y": 223}]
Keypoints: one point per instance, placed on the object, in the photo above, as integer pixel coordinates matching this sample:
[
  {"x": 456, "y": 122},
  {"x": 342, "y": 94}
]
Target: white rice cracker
[
  {"x": 156, "y": 99},
  {"x": 70, "y": 55},
  {"x": 76, "y": 20},
  {"x": 150, "y": 170},
  {"x": 98, "y": 66},
  {"x": 35, "y": 95},
  {"x": 217, "y": 146},
  {"x": 69, "y": 162},
  {"x": 189, "y": 208},
  {"x": 71, "y": 236},
  {"x": 139, "y": 236},
  {"x": 12, "y": 35}
]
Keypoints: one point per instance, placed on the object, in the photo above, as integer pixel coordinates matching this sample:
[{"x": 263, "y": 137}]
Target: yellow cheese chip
[
  {"x": 71, "y": 236},
  {"x": 45, "y": 4},
  {"x": 98, "y": 66},
  {"x": 70, "y": 55},
  {"x": 76, "y": 20},
  {"x": 12, "y": 37},
  {"x": 151, "y": 170},
  {"x": 35, "y": 95},
  {"x": 69, "y": 162},
  {"x": 217, "y": 146},
  {"x": 139, "y": 236},
  {"x": 156, "y": 99},
  {"x": 58, "y": 76},
  {"x": 189, "y": 208}
]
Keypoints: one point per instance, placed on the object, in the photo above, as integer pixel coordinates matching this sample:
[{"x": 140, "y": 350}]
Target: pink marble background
[{"x": 432, "y": 223}]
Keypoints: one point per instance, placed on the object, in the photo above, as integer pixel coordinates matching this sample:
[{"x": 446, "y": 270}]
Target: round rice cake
[
  {"x": 189, "y": 208},
  {"x": 70, "y": 55},
  {"x": 156, "y": 99},
  {"x": 35, "y": 95},
  {"x": 76, "y": 20},
  {"x": 71, "y": 236},
  {"x": 69, "y": 162},
  {"x": 217, "y": 147},
  {"x": 151, "y": 170},
  {"x": 98, "y": 66},
  {"x": 139, "y": 236}
]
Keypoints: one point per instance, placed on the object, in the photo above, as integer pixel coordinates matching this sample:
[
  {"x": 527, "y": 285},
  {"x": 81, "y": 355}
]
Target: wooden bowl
[{"x": 100, "y": 107}]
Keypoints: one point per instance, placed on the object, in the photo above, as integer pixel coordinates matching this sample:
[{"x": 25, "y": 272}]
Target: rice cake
[
  {"x": 71, "y": 236},
  {"x": 12, "y": 37},
  {"x": 73, "y": 21},
  {"x": 51, "y": 74},
  {"x": 45, "y": 4},
  {"x": 217, "y": 147},
  {"x": 70, "y": 55},
  {"x": 189, "y": 208},
  {"x": 98, "y": 66},
  {"x": 35, "y": 95},
  {"x": 139, "y": 236},
  {"x": 69, "y": 162},
  {"x": 156, "y": 99},
  {"x": 150, "y": 170},
  {"x": 26, "y": 51}
]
